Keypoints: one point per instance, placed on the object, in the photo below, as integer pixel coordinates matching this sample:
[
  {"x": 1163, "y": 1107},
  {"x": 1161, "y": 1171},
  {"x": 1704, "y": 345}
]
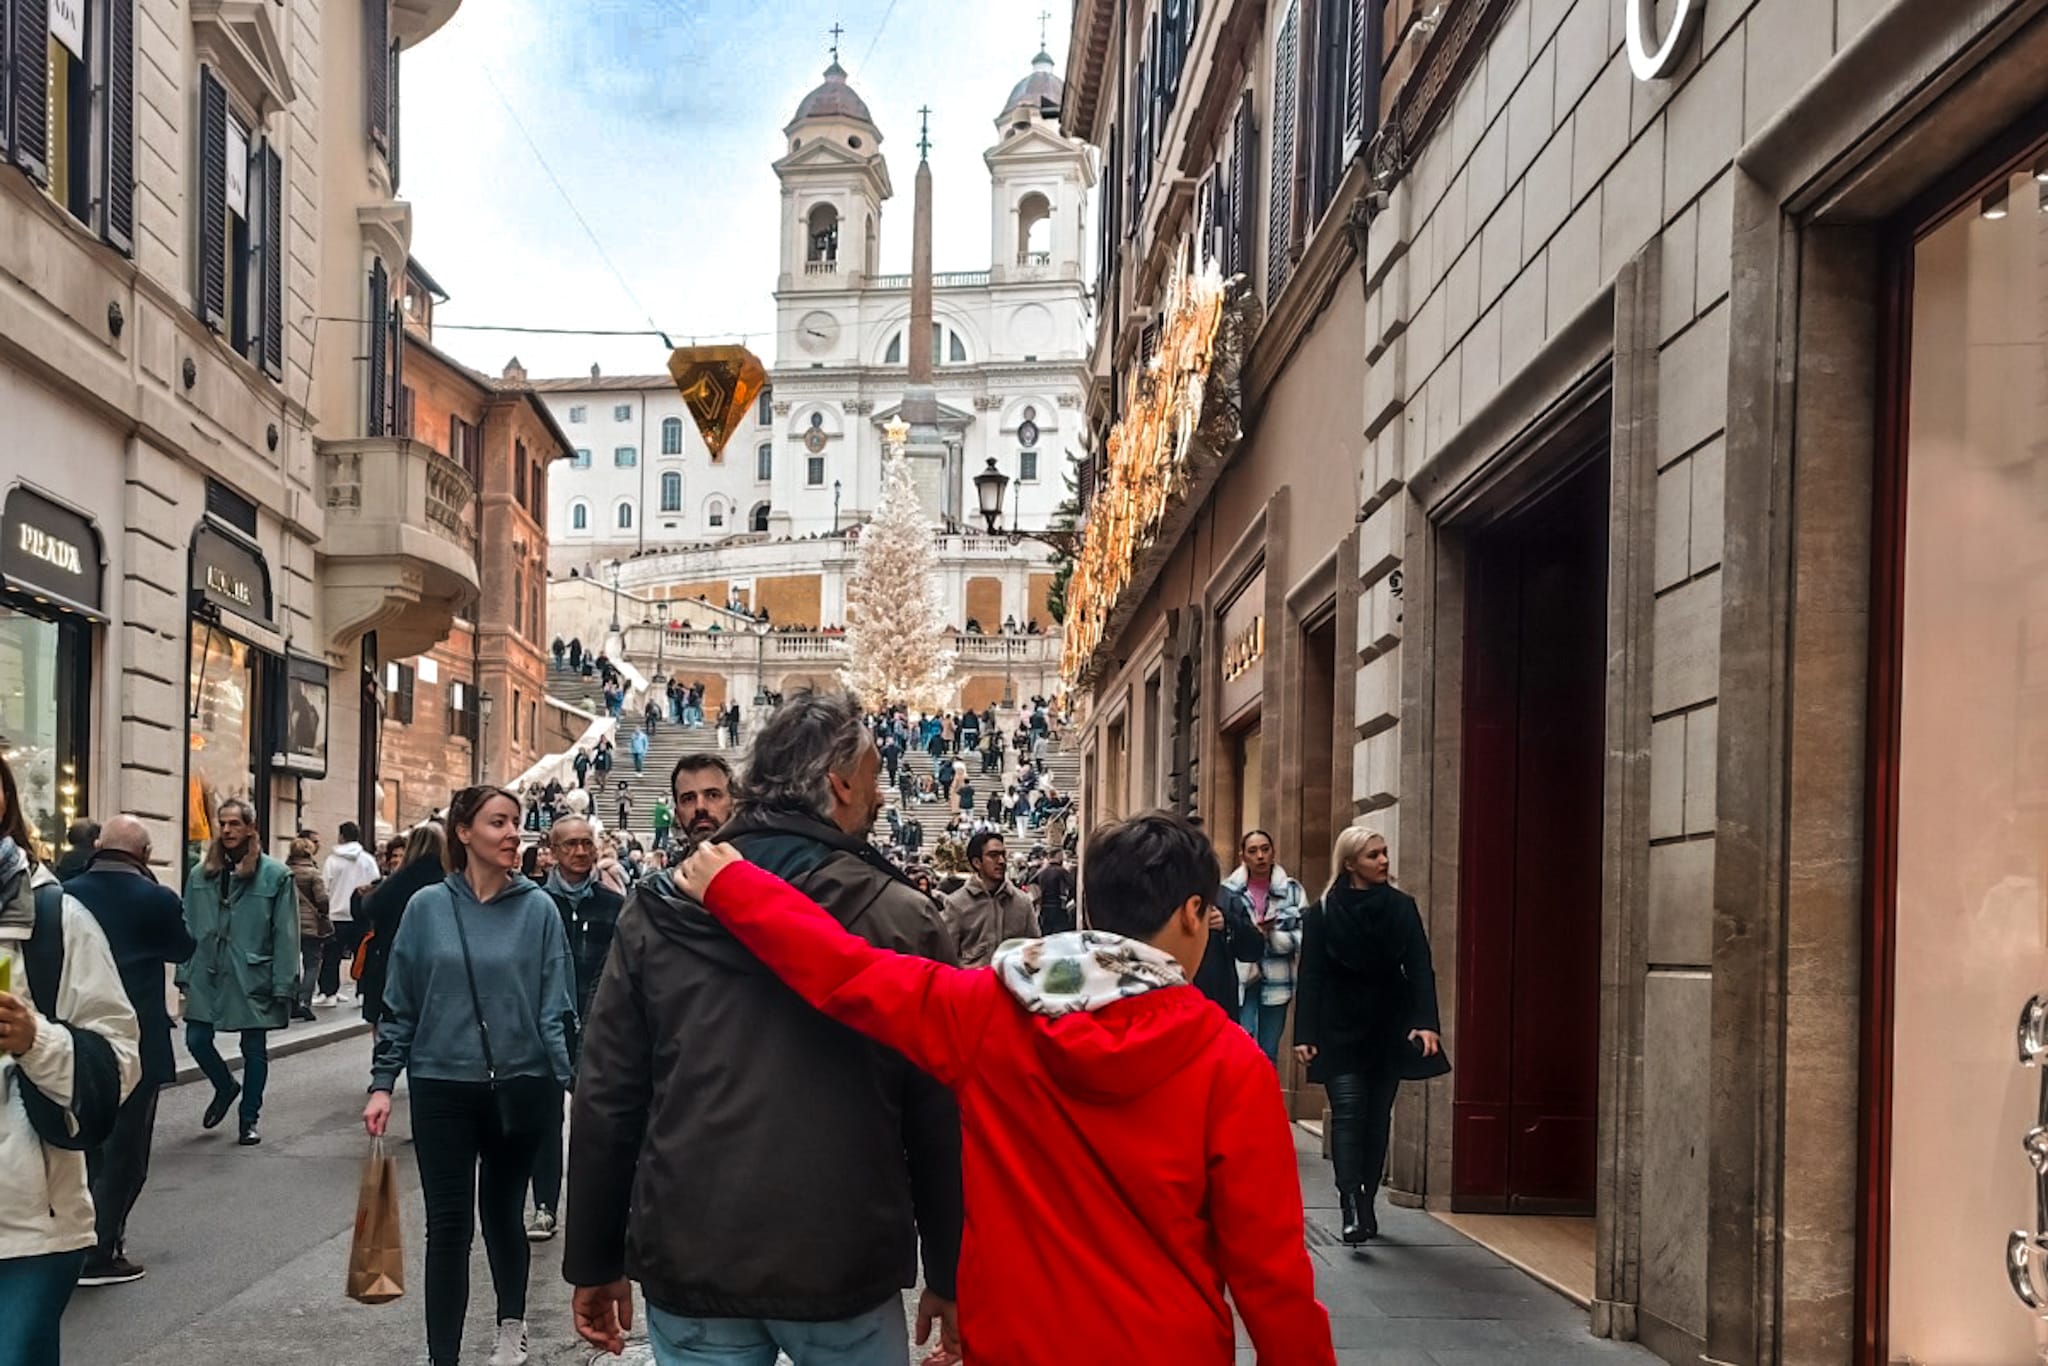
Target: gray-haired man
[{"x": 769, "y": 1181}]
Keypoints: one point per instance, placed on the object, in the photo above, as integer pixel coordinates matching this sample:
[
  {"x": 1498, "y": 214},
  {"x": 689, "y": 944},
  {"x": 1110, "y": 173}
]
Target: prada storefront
[
  {"x": 236, "y": 671},
  {"x": 51, "y": 598}
]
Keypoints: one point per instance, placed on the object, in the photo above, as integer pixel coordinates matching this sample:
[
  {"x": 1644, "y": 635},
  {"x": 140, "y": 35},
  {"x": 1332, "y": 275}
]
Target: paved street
[{"x": 246, "y": 1252}]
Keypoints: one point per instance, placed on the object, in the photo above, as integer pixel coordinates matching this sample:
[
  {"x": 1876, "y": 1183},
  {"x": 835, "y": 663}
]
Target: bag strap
[
  {"x": 483, "y": 1030},
  {"x": 43, "y": 954}
]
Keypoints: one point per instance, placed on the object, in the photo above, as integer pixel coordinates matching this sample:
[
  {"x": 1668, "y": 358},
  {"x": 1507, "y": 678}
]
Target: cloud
[{"x": 661, "y": 119}]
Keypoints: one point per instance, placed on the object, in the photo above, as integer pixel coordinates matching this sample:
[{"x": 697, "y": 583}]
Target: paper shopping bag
[{"x": 376, "y": 1254}]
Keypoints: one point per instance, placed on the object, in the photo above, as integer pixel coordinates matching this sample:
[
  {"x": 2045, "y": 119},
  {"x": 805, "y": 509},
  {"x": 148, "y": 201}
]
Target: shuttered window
[
  {"x": 26, "y": 87},
  {"x": 376, "y": 416},
  {"x": 270, "y": 257},
  {"x": 393, "y": 90},
  {"x": 1244, "y": 168},
  {"x": 1280, "y": 185},
  {"x": 211, "y": 280},
  {"x": 118, "y": 128},
  {"x": 1362, "y": 77},
  {"x": 377, "y": 71}
]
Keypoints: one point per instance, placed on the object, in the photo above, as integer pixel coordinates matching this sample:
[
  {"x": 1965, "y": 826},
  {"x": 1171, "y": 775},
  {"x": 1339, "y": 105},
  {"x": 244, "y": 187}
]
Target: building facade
[
  {"x": 195, "y": 579},
  {"x": 1007, "y": 344},
  {"x": 1695, "y": 579}
]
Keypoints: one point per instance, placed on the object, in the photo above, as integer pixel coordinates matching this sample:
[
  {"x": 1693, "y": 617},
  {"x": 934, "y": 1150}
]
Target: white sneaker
[
  {"x": 323, "y": 1000},
  {"x": 511, "y": 1348}
]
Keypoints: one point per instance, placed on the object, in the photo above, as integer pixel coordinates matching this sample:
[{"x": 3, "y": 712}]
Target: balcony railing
[
  {"x": 400, "y": 540},
  {"x": 1034, "y": 258},
  {"x": 828, "y": 266},
  {"x": 945, "y": 279},
  {"x": 652, "y": 648}
]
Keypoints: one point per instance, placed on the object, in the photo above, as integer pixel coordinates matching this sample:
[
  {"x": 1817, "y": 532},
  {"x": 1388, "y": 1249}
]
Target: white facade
[{"x": 1011, "y": 352}]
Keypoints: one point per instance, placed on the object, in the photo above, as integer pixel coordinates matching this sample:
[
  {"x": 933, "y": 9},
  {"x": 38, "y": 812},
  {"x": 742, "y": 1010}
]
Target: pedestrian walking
[
  {"x": 487, "y": 1069},
  {"x": 1055, "y": 893},
  {"x": 791, "y": 1212},
  {"x": 576, "y": 653},
  {"x": 625, "y": 808},
  {"x": 1085, "y": 1054},
  {"x": 1276, "y": 903},
  {"x": 590, "y": 917},
  {"x": 144, "y": 925},
  {"x": 640, "y": 749},
  {"x": 988, "y": 910},
  {"x": 582, "y": 766},
  {"x": 423, "y": 863},
  {"x": 557, "y": 647},
  {"x": 68, "y": 1058},
  {"x": 1367, "y": 1019},
  {"x": 348, "y": 866},
  {"x": 965, "y": 794},
  {"x": 663, "y": 817},
  {"x": 241, "y": 908},
  {"x": 652, "y": 715},
  {"x": 1233, "y": 940},
  {"x": 79, "y": 842},
  {"x": 316, "y": 927}
]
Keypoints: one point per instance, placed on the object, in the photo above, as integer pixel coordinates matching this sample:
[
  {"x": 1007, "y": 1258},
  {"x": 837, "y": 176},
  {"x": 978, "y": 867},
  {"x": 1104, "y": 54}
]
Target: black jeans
[
  {"x": 1361, "y": 1113},
  {"x": 336, "y": 948},
  {"x": 547, "y": 1172},
  {"x": 118, "y": 1168},
  {"x": 469, "y": 1170}
]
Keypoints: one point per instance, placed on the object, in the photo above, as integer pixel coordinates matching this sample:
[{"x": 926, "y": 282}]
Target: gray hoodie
[{"x": 523, "y": 978}]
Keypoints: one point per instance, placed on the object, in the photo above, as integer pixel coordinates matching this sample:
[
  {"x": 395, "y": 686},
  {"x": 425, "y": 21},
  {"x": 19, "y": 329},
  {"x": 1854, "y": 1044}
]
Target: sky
[{"x": 661, "y": 120}]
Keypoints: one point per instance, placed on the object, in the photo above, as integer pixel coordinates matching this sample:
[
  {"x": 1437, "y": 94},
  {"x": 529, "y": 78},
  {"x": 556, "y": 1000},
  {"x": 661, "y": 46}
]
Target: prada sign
[
  {"x": 50, "y": 551},
  {"x": 230, "y": 575}
]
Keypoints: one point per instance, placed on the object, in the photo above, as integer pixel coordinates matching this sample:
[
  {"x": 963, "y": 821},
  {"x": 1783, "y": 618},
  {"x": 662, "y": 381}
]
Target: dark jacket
[
  {"x": 733, "y": 1150},
  {"x": 385, "y": 909},
  {"x": 1239, "y": 941},
  {"x": 1366, "y": 981},
  {"x": 590, "y": 921},
  {"x": 145, "y": 927}
]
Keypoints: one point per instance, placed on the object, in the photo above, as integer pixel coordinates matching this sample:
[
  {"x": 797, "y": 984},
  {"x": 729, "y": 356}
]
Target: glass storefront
[
  {"x": 1971, "y": 900},
  {"x": 223, "y": 733},
  {"x": 231, "y": 685},
  {"x": 42, "y": 669}
]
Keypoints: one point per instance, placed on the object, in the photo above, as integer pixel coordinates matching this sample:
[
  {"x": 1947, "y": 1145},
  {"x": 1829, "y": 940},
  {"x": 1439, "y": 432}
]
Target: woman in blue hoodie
[{"x": 479, "y": 1004}]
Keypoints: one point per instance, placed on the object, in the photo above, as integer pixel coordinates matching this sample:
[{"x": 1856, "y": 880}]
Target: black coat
[
  {"x": 1365, "y": 982},
  {"x": 386, "y": 907},
  {"x": 1239, "y": 941},
  {"x": 144, "y": 922}
]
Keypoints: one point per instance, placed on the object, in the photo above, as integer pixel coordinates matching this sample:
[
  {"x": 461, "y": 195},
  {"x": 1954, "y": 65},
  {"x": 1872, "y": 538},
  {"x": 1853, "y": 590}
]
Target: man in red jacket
[{"x": 1171, "y": 1164}]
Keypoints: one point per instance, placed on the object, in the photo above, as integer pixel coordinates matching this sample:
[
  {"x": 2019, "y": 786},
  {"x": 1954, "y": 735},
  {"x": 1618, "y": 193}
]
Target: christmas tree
[{"x": 895, "y": 624}]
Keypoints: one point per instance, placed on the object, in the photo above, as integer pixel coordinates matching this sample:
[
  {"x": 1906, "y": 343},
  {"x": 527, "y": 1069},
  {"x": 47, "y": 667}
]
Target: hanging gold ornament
[{"x": 718, "y": 385}]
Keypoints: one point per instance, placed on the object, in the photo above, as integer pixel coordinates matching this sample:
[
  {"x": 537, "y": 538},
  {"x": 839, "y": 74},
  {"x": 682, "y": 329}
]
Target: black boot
[{"x": 1356, "y": 1215}]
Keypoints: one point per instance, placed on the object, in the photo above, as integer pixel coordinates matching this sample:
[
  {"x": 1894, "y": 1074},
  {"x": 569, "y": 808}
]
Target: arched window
[
  {"x": 824, "y": 235},
  {"x": 759, "y": 520},
  {"x": 1034, "y": 230},
  {"x": 671, "y": 491},
  {"x": 671, "y": 436},
  {"x": 625, "y": 516},
  {"x": 894, "y": 355},
  {"x": 764, "y": 462},
  {"x": 579, "y": 516},
  {"x": 715, "y": 512},
  {"x": 956, "y": 350}
]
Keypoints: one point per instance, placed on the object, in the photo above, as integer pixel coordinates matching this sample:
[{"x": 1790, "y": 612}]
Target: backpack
[{"x": 95, "y": 1071}]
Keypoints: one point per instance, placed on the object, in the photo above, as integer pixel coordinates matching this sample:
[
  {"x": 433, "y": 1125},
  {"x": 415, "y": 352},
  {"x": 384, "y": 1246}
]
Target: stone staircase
[{"x": 1062, "y": 771}]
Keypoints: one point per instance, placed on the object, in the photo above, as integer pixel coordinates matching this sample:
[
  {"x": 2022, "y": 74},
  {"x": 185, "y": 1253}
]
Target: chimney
[
  {"x": 593, "y": 371},
  {"x": 515, "y": 373}
]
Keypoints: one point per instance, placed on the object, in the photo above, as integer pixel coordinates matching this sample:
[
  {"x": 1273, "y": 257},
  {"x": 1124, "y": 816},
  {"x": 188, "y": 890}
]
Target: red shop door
[{"x": 1527, "y": 1084}]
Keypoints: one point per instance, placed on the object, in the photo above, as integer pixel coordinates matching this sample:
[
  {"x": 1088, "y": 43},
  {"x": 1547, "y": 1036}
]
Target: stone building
[
  {"x": 1696, "y": 658},
  {"x": 210, "y": 524},
  {"x": 470, "y": 709}
]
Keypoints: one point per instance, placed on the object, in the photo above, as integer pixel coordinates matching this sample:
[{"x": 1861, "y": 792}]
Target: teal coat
[{"x": 247, "y": 966}]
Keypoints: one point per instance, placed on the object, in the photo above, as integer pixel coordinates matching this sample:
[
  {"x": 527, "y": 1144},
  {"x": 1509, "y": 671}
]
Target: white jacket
[
  {"x": 44, "y": 1204},
  {"x": 347, "y": 868}
]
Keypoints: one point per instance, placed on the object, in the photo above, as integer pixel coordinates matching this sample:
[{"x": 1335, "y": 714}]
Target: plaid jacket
[{"x": 1286, "y": 903}]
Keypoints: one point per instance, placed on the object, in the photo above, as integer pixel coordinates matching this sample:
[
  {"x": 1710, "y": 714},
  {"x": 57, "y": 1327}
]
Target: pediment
[
  {"x": 239, "y": 38},
  {"x": 951, "y": 419},
  {"x": 1035, "y": 141},
  {"x": 821, "y": 154}
]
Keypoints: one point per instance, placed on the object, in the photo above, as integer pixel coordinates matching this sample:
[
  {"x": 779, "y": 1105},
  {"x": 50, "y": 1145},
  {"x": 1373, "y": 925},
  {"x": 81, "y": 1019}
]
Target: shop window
[
  {"x": 42, "y": 686},
  {"x": 224, "y": 705},
  {"x": 399, "y": 682},
  {"x": 671, "y": 436}
]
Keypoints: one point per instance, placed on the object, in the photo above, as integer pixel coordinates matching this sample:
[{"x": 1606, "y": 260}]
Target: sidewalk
[
  {"x": 1423, "y": 1294},
  {"x": 343, "y": 1021}
]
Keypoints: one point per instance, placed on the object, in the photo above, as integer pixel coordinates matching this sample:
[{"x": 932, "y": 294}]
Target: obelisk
[{"x": 926, "y": 448}]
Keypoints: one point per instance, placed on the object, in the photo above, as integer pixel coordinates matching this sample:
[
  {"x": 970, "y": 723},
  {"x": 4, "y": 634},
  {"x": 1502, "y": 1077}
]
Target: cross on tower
[
  {"x": 924, "y": 132},
  {"x": 1044, "y": 18},
  {"x": 837, "y": 32}
]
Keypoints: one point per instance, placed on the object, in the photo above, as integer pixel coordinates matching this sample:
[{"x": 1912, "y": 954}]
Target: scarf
[
  {"x": 575, "y": 893},
  {"x": 1081, "y": 970},
  {"x": 15, "y": 909}
]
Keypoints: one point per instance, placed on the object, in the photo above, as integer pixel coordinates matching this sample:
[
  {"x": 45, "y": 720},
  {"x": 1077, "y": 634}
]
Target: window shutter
[
  {"x": 401, "y": 420},
  {"x": 273, "y": 262},
  {"x": 28, "y": 84},
  {"x": 1361, "y": 79},
  {"x": 395, "y": 91},
  {"x": 380, "y": 303},
  {"x": 212, "y": 276},
  {"x": 118, "y": 228},
  {"x": 1244, "y": 164},
  {"x": 1205, "y": 214},
  {"x": 1280, "y": 200},
  {"x": 377, "y": 70}
]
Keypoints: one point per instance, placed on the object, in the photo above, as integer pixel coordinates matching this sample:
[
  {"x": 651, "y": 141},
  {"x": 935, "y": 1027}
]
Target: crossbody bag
[{"x": 525, "y": 1105}]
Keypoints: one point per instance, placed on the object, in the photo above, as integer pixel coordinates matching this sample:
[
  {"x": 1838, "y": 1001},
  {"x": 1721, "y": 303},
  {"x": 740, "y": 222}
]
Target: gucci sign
[
  {"x": 1653, "y": 58},
  {"x": 1247, "y": 649},
  {"x": 2026, "y": 1253}
]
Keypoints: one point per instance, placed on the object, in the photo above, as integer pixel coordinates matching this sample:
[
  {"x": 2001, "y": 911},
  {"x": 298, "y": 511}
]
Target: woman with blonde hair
[{"x": 1365, "y": 1014}]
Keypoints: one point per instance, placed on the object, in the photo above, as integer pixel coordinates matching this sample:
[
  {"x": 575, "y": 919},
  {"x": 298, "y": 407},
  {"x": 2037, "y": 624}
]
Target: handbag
[
  {"x": 376, "y": 1251},
  {"x": 525, "y": 1105}
]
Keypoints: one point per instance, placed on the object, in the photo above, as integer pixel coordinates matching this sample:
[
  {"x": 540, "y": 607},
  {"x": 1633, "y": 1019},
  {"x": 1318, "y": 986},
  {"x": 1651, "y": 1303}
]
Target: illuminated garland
[{"x": 1170, "y": 426}]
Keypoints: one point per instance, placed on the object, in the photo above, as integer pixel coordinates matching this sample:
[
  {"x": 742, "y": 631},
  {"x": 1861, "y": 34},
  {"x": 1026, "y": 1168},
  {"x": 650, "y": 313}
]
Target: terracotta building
[{"x": 471, "y": 709}]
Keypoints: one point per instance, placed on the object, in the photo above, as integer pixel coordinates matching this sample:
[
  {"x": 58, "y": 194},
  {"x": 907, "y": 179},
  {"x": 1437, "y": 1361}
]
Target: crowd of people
[{"x": 775, "y": 1183}]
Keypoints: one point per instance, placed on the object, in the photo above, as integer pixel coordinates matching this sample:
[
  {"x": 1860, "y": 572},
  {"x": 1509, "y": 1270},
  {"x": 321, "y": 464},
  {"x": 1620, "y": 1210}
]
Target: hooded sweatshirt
[
  {"x": 348, "y": 867},
  {"x": 1126, "y": 1154}
]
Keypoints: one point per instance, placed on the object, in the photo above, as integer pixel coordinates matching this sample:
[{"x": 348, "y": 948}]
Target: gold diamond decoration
[{"x": 718, "y": 384}]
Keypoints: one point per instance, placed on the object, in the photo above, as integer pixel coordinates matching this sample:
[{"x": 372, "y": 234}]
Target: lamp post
[
  {"x": 835, "y": 507},
  {"x": 483, "y": 761},
  {"x": 990, "y": 486},
  {"x": 661, "y": 641},
  {"x": 615, "y": 597}
]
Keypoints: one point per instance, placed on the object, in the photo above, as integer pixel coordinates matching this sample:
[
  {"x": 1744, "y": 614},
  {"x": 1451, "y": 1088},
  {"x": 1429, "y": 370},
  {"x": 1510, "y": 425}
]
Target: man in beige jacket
[{"x": 989, "y": 908}]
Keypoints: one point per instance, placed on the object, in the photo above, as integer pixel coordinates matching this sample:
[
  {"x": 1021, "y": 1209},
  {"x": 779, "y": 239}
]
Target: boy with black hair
[{"x": 1087, "y": 1055}]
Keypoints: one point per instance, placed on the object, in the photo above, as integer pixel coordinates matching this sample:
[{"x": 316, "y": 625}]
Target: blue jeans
[
  {"x": 1263, "y": 1022},
  {"x": 879, "y": 1337},
  {"x": 255, "y": 1064},
  {"x": 33, "y": 1293}
]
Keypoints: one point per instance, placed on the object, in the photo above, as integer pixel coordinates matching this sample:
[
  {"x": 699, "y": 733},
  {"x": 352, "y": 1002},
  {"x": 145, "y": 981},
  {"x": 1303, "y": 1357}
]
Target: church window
[
  {"x": 814, "y": 472},
  {"x": 894, "y": 355},
  {"x": 625, "y": 516},
  {"x": 759, "y": 521},
  {"x": 671, "y": 492},
  {"x": 1034, "y": 231},
  {"x": 671, "y": 436},
  {"x": 824, "y": 234},
  {"x": 717, "y": 513},
  {"x": 764, "y": 462},
  {"x": 956, "y": 350},
  {"x": 579, "y": 516}
]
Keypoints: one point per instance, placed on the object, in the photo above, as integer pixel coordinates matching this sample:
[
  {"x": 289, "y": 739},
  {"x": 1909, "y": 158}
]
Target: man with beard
[
  {"x": 590, "y": 917},
  {"x": 241, "y": 907},
  {"x": 779, "y": 1201},
  {"x": 702, "y": 785}
]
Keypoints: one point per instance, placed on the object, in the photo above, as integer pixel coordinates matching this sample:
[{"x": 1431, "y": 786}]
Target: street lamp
[
  {"x": 989, "y": 487},
  {"x": 661, "y": 640},
  {"x": 835, "y": 507},
  {"x": 615, "y": 595},
  {"x": 483, "y": 761}
]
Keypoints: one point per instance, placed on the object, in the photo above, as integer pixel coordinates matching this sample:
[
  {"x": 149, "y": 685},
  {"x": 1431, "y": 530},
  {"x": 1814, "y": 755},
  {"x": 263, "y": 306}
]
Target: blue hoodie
[{"x": 523, "y": 978}]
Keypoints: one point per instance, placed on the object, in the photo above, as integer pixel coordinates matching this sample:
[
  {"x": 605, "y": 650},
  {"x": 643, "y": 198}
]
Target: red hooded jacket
[{"x": 1122, "y": 1165}]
